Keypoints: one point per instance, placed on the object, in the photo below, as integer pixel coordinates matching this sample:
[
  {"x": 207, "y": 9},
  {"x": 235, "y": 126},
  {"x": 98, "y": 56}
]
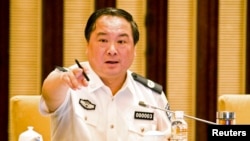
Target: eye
[
  {"x": 103, "y": 40},
  {"x": 121, "y": 41}
]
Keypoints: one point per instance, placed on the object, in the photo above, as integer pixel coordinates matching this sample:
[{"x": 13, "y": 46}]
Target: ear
[
  {"x": 87, "y": 49},
  {"x": 135, "y": 51}
]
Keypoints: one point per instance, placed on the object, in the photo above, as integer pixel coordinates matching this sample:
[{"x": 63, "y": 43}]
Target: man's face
[{"x": 111, "y": 48}]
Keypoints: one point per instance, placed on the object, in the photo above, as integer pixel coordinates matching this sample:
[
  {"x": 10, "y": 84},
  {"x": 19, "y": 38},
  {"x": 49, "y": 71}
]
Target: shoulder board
[
  {"x": 62, "y": 69},
  {"x": 148, "y": 83}
]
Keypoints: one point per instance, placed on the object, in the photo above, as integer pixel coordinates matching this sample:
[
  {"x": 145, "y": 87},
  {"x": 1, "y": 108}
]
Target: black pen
[{"x": 84, "y": 74}]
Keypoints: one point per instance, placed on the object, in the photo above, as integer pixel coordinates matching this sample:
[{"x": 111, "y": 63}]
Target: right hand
[{"x": 74, "y": 78}]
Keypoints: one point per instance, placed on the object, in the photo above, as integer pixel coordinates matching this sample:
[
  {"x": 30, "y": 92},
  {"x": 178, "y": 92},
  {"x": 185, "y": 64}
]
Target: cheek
[
  {"x": 133, "y": 53},
  {"x": 95, "y": 55},
  {"x": 130, "y": 57}
]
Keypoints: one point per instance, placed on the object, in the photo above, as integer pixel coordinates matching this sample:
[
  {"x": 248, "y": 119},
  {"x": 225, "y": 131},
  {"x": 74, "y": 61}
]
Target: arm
[{"x": 57, "y": 83}]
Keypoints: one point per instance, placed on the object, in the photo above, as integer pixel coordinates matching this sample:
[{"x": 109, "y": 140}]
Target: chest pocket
[
  {"x": 88, "y": 112},
  {"x": 142, "y": 124},
  {"x": 141, "y": 120},
  {"x": 90, "y": 117}
]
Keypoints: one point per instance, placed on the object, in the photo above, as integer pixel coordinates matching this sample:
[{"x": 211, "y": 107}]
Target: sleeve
[
  {"x": 43, "y": 109},
  {"x": 166, "y": 105}
]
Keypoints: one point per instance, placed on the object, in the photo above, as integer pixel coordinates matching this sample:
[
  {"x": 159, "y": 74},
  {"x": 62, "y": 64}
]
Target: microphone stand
[{"x": 141, "y": 103}]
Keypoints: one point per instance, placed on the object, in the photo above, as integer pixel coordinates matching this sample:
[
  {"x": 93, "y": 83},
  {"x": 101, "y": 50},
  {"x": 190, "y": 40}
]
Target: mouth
[{"x": 111, "y": 62}]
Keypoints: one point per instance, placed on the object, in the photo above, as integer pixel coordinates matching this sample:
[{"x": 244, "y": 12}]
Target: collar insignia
[{"x": 86, "y": 104}]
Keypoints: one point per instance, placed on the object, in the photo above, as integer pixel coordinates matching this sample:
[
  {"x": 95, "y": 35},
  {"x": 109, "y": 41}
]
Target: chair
[
  {"x": 238, "y": 103},
  {"x": 23, "y": 112}
]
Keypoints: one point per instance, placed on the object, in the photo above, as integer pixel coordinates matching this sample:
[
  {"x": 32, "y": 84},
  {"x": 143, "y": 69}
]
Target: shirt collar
[{"x": 96, "y": 83}]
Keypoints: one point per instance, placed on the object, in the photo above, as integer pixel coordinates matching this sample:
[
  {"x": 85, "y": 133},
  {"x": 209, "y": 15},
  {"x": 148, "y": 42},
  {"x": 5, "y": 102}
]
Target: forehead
[{"x": 112, "y": 22}]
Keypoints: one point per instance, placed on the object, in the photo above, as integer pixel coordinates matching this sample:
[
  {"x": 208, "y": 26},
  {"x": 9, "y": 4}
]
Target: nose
[{"x": 112, "y": 50}]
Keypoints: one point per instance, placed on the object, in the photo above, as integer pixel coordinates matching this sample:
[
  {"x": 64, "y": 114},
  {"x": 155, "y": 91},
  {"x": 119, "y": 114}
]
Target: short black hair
[{"x": 90, "y": 26}]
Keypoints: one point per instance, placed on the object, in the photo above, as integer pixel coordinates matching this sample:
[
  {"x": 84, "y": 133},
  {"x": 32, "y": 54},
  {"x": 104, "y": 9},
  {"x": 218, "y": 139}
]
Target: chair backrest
[
  {"x": 24, "y": 112},
  {"x": 238, "y": 103}
]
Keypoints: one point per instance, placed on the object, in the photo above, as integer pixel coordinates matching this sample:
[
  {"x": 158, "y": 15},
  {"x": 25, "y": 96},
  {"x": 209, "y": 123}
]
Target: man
[{"x": 103, "y": 106}]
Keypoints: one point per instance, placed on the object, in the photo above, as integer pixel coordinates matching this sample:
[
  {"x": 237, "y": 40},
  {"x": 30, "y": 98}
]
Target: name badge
[{"x": 144, "y": 115}]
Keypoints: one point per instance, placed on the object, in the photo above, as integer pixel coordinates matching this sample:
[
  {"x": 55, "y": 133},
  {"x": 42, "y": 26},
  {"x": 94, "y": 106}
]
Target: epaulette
[
  {"x": 148, "y": 83},
  {"x": 62, "y": 69}
]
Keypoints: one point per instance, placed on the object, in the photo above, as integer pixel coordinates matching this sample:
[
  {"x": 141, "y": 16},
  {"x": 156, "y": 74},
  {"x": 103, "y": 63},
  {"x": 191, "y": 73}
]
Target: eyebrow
[
  {"x": 120, "y": 35},
  {"x": 101, "y": 33},
  {"x": 123, "y": 35}
]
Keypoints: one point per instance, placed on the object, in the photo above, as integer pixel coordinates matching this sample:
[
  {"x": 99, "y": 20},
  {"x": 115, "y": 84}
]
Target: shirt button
[
  {"x": 85, "y": 118},
  {"x": 142, "y": 130},
  {"x": 111, "y": 126}
]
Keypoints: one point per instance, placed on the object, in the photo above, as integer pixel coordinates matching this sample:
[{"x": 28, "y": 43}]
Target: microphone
[{"x": 141, "y": 103}]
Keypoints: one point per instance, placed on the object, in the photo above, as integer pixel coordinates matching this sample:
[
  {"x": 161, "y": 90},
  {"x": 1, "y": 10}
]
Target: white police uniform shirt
[{"x": 94, "y": 114}]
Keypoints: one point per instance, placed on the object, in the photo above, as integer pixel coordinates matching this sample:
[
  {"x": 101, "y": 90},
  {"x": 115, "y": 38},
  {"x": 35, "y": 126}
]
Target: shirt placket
[{"x": 112, "y": 121}]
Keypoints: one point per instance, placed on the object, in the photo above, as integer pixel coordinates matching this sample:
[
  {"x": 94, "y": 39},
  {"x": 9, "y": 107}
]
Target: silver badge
[
  {"x": 86, "y": 104},
  {"x": 151, "y": 84}
]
